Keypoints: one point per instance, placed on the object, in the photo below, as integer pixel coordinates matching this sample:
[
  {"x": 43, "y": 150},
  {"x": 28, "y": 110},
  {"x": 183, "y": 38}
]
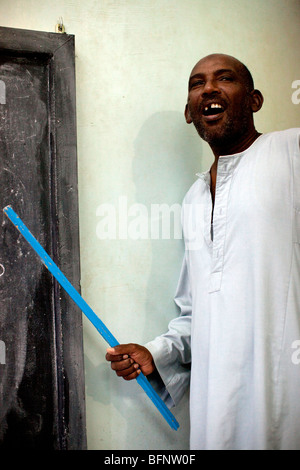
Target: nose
[{"x": 210, "y": 87}]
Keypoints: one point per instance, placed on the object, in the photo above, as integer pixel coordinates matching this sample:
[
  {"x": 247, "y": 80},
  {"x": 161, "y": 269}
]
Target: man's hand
[{"x": 128, "y": 360}]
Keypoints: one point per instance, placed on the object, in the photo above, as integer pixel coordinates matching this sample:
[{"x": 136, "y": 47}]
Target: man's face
[{"x": 219, "y": 104}]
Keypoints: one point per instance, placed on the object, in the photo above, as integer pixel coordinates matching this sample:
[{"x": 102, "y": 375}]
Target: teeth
[{"x": 213, "y": 105}]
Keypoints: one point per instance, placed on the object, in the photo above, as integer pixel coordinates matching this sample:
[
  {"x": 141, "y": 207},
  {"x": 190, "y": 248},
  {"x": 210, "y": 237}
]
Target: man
[{"x": 239, "y": 286}]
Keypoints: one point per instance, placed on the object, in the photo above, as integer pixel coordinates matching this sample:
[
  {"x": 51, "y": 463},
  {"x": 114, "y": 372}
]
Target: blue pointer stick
[{"x": 86, "y": 309}]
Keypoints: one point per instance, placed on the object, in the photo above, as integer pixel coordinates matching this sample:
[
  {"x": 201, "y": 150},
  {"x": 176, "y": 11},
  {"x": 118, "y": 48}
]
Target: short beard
[{"x": 232, "y": 130}]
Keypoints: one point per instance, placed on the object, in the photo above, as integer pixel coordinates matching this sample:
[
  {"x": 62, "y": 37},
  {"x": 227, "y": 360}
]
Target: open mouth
[{"x": 213, "y": 109}]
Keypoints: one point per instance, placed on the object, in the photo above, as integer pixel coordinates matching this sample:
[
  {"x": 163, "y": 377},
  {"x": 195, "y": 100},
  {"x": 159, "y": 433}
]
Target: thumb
[{"x": 121, "y": 349}]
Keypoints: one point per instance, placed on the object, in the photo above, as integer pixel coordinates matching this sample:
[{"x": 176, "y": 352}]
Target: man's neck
[{"x": 235, "y": 147}]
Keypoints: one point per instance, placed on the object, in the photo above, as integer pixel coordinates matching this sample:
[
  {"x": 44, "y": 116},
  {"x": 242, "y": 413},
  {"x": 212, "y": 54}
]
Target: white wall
[{"x": 133, "y": 58}]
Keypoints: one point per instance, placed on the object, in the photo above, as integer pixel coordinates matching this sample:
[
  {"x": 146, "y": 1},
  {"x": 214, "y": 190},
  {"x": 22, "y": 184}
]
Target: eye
[
  {"x": 226, "y": 78},
  {"x": 196, "y": 83}
]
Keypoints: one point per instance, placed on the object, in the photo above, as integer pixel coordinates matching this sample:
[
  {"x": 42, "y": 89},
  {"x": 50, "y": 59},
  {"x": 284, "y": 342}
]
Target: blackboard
[{"x": 41, "y": 355}]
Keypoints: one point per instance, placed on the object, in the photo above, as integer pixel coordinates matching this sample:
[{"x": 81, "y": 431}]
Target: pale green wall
[{"x": 133, "y": 58}]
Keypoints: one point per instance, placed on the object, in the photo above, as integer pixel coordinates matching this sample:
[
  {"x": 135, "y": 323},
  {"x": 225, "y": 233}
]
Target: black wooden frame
[{"x": 59, "y": 51}]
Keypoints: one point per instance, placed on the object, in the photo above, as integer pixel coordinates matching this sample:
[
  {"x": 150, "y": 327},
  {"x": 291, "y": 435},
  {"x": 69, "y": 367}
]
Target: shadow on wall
[{"x": 168, "y": 154}]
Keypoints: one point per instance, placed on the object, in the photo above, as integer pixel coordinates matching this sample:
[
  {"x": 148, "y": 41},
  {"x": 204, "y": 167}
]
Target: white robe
[{"x": 239, "y": 295}]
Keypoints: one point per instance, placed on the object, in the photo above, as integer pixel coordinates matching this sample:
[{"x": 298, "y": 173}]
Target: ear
[
  {"x": 257, "y": 100},
  {"x": 187, "y": 115}
]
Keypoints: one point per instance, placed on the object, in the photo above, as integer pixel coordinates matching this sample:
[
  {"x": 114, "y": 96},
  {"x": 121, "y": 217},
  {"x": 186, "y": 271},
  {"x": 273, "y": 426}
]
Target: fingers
[
  {"x": 115, "y": 357},
  {"x": 128, "y": 360},
  {"x": 129, "y": 372},
  {"x": 115, "y": 354},
  {"x": 122, "y": 349},
  {"x": 122, "y": 364},
  {"x": 133, "y": 375}
]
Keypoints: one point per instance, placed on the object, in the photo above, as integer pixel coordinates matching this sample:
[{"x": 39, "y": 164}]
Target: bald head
[
  {"x": 221, "y": 102},
  {"x": 240, "y": 68}
]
